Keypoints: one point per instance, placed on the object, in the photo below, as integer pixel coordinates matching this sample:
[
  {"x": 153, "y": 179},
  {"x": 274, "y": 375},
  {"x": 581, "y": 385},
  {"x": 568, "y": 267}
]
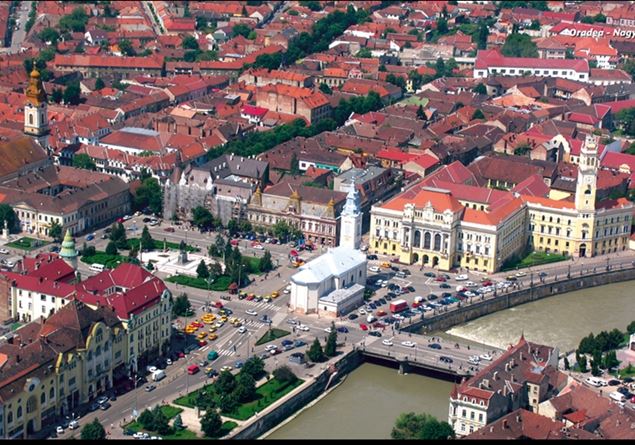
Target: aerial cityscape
[{"x": 317, "y": 219}]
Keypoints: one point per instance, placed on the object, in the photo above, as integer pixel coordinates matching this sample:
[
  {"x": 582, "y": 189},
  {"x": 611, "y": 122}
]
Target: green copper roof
[{"x": 68, "y": 246}]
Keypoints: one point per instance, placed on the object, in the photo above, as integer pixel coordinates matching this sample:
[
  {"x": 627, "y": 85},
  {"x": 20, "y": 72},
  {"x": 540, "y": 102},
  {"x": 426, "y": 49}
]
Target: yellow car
[
  {"x": 237, "y": 324},
  {"x": 212, "y": 337},
  {"x": 224, "y": 318},
  {"x": 201, "y": 335},
  {"x": 189, "y": 330},
  {"x": 212, "y": 329},
  {"x": 209, "y": 318},
  {"x": 275, "y": 294},
  {"x": 267, "y": 299},
  {"x": 233, "y": 320}
]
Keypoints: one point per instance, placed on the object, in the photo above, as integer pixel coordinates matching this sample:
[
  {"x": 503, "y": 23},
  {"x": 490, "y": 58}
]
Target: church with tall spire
[
  {"x": 333, "y": 284},
  {"x": 36, "y": 122}
]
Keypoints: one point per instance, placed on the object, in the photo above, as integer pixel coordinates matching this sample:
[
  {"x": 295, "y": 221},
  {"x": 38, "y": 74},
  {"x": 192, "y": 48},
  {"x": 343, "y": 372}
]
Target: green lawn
[
  {"x": 534, "y": 259},
  {"x": 158, "y": 245},
  {"x": 272, "y": 335},
  {"x": 266, "y": 395},
  {"x": 26, "y": 243},
  {"x": 109, "y": 261},
  {"x": 220, "y": 284},
  {"x": 253, "y": 264},
  {"x": 169, "y": 411},
  {"x": 189, "y": 399}
]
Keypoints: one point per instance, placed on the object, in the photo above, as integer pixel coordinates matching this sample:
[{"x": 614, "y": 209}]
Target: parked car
[
  {"x": 408, "y": 344},
  {"x": 342, "y": 329},
  {"x": 445, "y": 359},
  {"x": 375, "y": 333},
  {"x": 149, "y": 388},
  {"x": 435, "y": 346},
  {"x": 169, "y": 229}
]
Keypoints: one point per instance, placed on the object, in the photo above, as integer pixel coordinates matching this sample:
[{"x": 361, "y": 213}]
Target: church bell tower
[
  {"x": 587, "y": 175},
  {"x": 36, "y": 122},
  {"x": 351, "y": 220}
]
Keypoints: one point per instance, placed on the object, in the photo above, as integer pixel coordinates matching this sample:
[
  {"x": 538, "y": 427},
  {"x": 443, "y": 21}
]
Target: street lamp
[{"x": 607, "y": 264}]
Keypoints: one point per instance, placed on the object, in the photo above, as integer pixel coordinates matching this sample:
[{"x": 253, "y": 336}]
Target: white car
[
  {"x": 520, "y": 274},
  {"x": 60, "y": 430},
  {"x": 126, "y": 217},
  {"x": 408, "y": 344},
  {"x": 219, "y": 324},
  {"x": 328, "y": 329},
  {"x": 486, "y": 356},
  {"x": 74, "y": 424},
  {"x": 251, "y": 312},
  {"x": 379, "y": 282},
  {"x": 362, "y": 311},
  {"x": 153, "y": 223},
  {"x": 271, "y": 347},
  {"x": 151, "y": 369},
  {"x": 373, "y": 269},
  {"x": 303, "y": 327},
  {"x": 138, "y": 435},
  {"x": 387, "y": 342},
  {"x": 384, "y": 283},
  {"x": 168, "y": 361},
  {"x": 242, "y": 329},
  {"x": 226, "y": 368},
  {"x": 4, "y": 251},
  {"x": 398, "y": 317},
  {"x": 257, "y": 246},
  {"x": 461, "y": 278}
]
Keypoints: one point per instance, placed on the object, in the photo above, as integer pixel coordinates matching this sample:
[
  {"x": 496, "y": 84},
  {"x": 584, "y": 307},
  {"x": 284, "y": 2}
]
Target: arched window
[
  {"x": 31, "y": 404},
  {"x": 52, "y": 393},
  {"x": 42, "y": 398},
  {"x": 30, "y": 119},
  {"x": 437, "y": 242},
  {"x": 426, "y": 240},
  {"x": 417, "y": 240},
  {"x": 19, "y": 412},
  {"x": 10, "y": 417}
]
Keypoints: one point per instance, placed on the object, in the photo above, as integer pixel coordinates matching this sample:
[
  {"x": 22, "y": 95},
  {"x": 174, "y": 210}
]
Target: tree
[
  {"x": 99, "y": 84},
  {"x": 582, "y": 362},
  {"x": 149, "y": 194},
  {"x": 325, "y": 88},
  {"x": 146, "y": 242},
  {"x": 202, "y": 271},
  {"x": 611, "y": 361},
  {"x": 189, "y": 42},
  {"x": 397, "y": 81},
  {"x": 519, "y": 45},
  {"x": 331, "y": 342},
  {"x": 567, "y": 365},
  {"x": 125, "y": 46},
  {"x": 480, "y": 37},
  {"x": 118, "y": 236},
  {"x": 228, "y": 403},
  {"x": 535, "y": 24},
  {"x": 522, "y": 149},
  {"x": 146, "y": 419},
  {"x": 93, "y": 431},
  {"x": 84, "y": 161},
  {"x": 72, "y": 94},
  {"x": 161, "y": 422},
  {"x": 629, "y": 66},
  {"x": 595, "y": 369},
  {"x": 75, "y": 22},
  {"x": 216, "y": 249},
  {"x": 57, "y": 95},
  {"x": 178, "y": 423},
  {"x": 295, "y": 165},
  {"x": 181, "y": 306},
  {"x": 245, "y": 390},
  {"x": 215, "y": 270},
  {"x": 625, "y": 119},
  {"x": 315, "y": 352},
  {"x": 283, "y": 374},
  {"x": 233, "y": 227},
  {"x": 111, "y": 248},
  {"x": 478, "y": 114},
  {"x": 442, "y": 26},
  {"x": 313, "y": 5},
  {"x": 631, "y": 328},
  {"x": 254, "y": 366},
  {"x": 480, "y": 89},
  {"x": 49, "y": 35},
  {"x": 202, "y": 218},
  {"x": 241, "y": 30},
  {"x": 55, "y": 231},
  {"x": 409, "y": 426},
  {"x": 226, "y": 382},
  {"x": 420, "y": 113},
  {"x": 211, "y": 423},
  {"x": 364, "y": 53},
  {"x": 265, "y": 264}
]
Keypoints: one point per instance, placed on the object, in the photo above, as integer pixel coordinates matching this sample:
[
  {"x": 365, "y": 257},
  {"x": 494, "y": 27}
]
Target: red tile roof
[
  {"x": 493, "y": 58},
  {"x": 78, "y": 60}
]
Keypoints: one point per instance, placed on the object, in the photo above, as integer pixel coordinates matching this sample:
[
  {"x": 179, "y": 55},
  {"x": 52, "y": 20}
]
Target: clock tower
[
  {"x": 587, "y": 175},
  {"x": 36, "y": 122}
]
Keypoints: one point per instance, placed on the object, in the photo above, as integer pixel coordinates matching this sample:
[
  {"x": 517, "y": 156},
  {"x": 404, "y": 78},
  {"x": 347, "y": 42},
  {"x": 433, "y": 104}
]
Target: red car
[
  {"x": 416, "y": 304},
  {"x": 379, "y": 325},
  {"x": 440, "y": 279},
  {"x": 198, "y": 324},
  {"x": 487, "y": 283},
  {"x": 394, "y": 260},
  {"x": 120, "y": 220},
  {"x": 234, "y": 242},
  {"x": 181, "y": 354},
  {"x": 381, "y": 313},
  {"x": 250, "y": 297},
  {"x": 169, "y": 229},
  {"x": 218, "y": 305},
  {"x": 363, "y": 327},
  {"x": 202, "y": 343}
]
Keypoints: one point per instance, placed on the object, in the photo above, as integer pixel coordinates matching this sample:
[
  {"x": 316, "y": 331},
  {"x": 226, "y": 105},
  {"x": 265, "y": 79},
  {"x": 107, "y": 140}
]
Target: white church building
[{"x": 333, "y": 284}]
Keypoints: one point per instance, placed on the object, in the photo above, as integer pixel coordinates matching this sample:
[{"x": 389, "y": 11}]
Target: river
[{"x": 366, "y": 405}]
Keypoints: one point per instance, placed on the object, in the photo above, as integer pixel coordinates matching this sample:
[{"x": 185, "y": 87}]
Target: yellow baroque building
[{"x": 451, "y": 225}]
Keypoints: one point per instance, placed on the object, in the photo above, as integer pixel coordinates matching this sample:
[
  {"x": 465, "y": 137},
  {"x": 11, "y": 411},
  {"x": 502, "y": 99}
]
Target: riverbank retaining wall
[
  {"x": 464, "y": 314},
  {"x": 298, "y": 399}
]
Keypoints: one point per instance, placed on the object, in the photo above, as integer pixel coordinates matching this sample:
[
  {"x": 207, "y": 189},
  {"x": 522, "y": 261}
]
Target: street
[{"x": 21, "y": 15}]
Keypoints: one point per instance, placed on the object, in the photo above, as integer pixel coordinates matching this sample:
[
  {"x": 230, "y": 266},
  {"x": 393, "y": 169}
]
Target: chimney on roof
[
  {"x": 507, "y": 367},
  {"x": 505, "y": 424},
  {"x": 491, "y": 429},
  {"x": 495, "y": 375},
  {"x": 518, "y": 418}
]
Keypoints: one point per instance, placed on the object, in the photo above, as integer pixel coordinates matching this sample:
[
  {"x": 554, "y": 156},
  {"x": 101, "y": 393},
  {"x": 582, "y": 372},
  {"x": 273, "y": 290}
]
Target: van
[
  {"x": 401, "y": 274},
  {"x": 594, "y": 381},
  {"x": 419, "y": 299},
  {"x": 158, "y": 375},
  {"x": 97, "y": 267},
  {"x": 617, "y": 396},
  {"x": 371, "y": 318}
]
